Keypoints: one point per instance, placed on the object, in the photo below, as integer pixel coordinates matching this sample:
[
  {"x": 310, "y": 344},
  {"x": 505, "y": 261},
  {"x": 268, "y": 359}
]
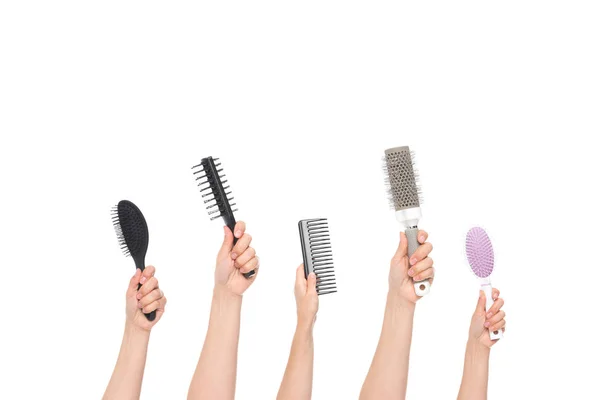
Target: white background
[{"x": 111, "y": 100}]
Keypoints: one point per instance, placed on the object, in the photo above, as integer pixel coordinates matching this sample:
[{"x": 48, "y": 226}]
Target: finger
[
  {"x": 497, "y": 326},
  {"x": 311, "y": 286},
  {"x": 134, "y": 281},
  {"x": 427, "y": 274},
  {"x": 227, "y": 243},
  {"x": 162, "y": 303},
  {"x": 480, "y": 303},
  {"x": 495, "y": 319},
  {"x": 300, "y": 279},
  {"x": 240, "y": 229},
  {"x": 154, "y": 295},
  {"x": 246, "y": 256},
  {"x": 495, "y": 307},
  {"x": 147, "y": 274},
  {"x": 495, "y": 293},
  {"x": 402, "y": 249},
  {"x": 421, "y": 253},
  {"x": 241, "y": 245},
  {"x": 249, "y": 266},
  {"x": 147, "y": 287},
  {"x": 420, "y": 267},
  {"x": 151, "y": 307},
  {"x": 423, "y": 236}
]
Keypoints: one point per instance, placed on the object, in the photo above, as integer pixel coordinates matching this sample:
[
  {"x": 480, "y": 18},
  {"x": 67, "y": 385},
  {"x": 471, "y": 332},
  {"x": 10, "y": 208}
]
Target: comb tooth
[
  {"x": 206, "y": 188},
  {"x": 212, "y": 205},
  {"x": 215, "y": 217},
  {"x": 198, "y": 165},
  {"x": 207, "y": 194},
  {"x": 215, "y": 211}
]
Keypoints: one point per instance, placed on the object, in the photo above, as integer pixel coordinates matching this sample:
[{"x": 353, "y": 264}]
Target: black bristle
[{"x": 216, "y": 194}]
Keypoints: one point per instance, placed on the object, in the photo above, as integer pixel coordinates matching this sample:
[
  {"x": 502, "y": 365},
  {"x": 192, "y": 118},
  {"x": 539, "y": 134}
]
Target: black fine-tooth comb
[
  {"x": 316, "y": 253},
  {"x": 132, "y": 234},
  {"x": 216, "y": 194}
]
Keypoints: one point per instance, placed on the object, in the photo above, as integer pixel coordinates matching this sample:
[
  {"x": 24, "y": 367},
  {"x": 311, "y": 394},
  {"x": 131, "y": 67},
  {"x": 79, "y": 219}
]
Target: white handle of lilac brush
[
  {"x": 421, "y": 287},
  {"x": 489, "y": 301}
]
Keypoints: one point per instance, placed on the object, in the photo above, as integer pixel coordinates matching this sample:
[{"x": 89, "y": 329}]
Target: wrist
[
  {"x": 305, "y": 325},
  {"x": 223, "y": 293},
  {"x": 397, "y": 301},
  {"x": 136, "y": 332},
  {"x": 477, "y": 349}
]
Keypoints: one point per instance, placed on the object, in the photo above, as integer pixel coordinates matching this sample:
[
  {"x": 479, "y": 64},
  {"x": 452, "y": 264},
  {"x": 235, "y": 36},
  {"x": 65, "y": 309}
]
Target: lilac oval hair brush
[{"x": 480, "y": 254}]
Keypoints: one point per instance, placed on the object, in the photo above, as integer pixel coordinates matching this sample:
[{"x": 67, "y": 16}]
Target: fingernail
[
  {"x": 422, "y": 239},
  {"x": 489, "y": 315},
  {"x": 411, "y": 272},
  {"x": 139, "y": 304},
  {"x": 238, "y": 234},
  {"x": 413, "y": 261},
  {"x": 143, "y": 280},
  {"x": 138, "y": 296},
  {"x": 234, "y": 255},
  {"x": 487, "y": 324}
]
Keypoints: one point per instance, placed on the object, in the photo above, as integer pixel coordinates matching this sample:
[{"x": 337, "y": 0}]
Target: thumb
[
  {"x": 134, "y": 281},
  {"x": 311, "y": 283},
  {"x": 402, "y": 250},
  {"x": 480, "y": 309},
  {"x": 227, "y": 242}
]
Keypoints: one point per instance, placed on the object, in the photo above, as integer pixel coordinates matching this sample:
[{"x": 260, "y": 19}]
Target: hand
[
  {"x": 403, "y": 274},
  {"x": 145, "y": 300},
  {"x": 483, "y": 322},
  {"x": 307, "y": 299},
  {"x": 233, "y": 261}
]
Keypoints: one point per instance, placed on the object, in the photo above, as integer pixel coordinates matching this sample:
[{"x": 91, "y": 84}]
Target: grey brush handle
[{"x": 421, "y": 287}]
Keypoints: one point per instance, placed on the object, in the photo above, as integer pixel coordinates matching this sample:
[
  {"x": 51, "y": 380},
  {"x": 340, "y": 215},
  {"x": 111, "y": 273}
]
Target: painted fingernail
[
  {"x": 143, "y": 280},
  {"x": 422, "y": 239},
  {"x": 487, "y": 324},
  {"x": 238, "y": 234},
  {"x": 411, "y": 272},
  {"x": 489, "y": 315},
  {"x": 234, "y": 255},
  {"x": 413, "y": 261}
]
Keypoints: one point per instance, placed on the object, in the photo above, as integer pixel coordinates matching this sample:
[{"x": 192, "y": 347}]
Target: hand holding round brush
[
  {"x": 406, "y": 268},
  {"x": 233, "y": 261}
]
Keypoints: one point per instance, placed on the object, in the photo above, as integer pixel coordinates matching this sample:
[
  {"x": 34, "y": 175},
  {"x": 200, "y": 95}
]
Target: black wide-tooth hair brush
[
  {"x": 216, "y": 194},
  {"x": 132, "y": 233},
  {"x": 316, "y": 253}
]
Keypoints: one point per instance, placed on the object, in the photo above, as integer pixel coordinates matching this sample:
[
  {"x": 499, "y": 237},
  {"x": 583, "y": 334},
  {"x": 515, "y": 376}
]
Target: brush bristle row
[
  {"x": 114, "y": 212},
  {"x": 214, "y": 188},
  {"x": 318, "y": 254},
  {"x": 480, "y": 252},
  {"x": 401, "y": 178}
]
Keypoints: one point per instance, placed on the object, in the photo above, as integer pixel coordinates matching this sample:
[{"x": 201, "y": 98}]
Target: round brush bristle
[{"x": 480, "y": 252}]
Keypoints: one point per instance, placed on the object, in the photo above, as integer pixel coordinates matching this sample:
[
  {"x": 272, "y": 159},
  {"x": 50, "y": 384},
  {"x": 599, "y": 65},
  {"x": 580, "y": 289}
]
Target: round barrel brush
[
  {"x": 404, "y": 196},
  {"x": 480, "y": 254},
  {"x": 132, "y": 234}
]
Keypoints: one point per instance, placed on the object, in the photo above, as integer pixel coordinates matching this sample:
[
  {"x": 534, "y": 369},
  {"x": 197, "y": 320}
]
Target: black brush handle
[{"x": 151, "y": 316}]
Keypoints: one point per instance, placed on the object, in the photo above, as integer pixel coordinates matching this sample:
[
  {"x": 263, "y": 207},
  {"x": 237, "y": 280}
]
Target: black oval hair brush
[
  {"x": 216, "y": 194},
  {"x": 132, "y": 233}
]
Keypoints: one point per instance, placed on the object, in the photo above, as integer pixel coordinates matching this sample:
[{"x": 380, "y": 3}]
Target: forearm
[
  {"x": 475, "y": 374},
  {"x": 126, "y": 380},
  {"x": 387, "y": 377},
  {"x": 216, "y": 371},
  {"x": 297, "y": 380}
]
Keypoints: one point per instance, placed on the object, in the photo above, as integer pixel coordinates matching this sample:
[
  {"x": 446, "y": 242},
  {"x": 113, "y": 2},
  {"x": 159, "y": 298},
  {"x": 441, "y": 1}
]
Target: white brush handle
[
  {"x": 489, "y": 301},
  {"x": 421, "y": 287}
]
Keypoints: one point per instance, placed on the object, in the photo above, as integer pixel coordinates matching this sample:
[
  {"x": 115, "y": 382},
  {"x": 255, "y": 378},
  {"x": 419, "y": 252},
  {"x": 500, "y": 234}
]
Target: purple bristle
[{"x": 480, "y": 252}]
